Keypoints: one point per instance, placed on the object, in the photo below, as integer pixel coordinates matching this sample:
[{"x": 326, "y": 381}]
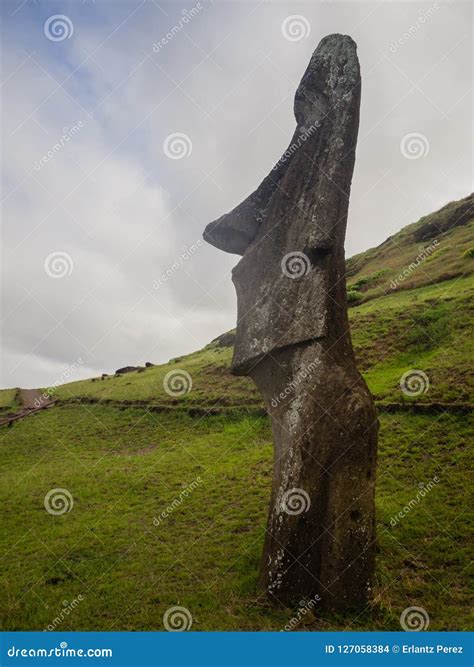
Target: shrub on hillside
[{"x": 353, "y": 296}]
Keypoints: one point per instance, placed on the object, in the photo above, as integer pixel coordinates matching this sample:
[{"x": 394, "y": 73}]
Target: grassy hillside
[
  {"x": 8, "y": 399},
  {"x": 438, "y": 247},
  {"x": 425, "y": 328},
  {"x": 123, "y": 468},
  {"x": 125, "y": 450}
]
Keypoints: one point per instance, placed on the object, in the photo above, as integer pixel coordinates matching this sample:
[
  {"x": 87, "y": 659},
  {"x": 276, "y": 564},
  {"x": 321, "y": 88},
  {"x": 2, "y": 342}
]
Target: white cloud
[{"x": 124, "y": 212}]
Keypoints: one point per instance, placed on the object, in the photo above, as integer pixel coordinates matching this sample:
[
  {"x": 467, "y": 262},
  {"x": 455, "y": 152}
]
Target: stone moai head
[{"x": 290, "y": 231}]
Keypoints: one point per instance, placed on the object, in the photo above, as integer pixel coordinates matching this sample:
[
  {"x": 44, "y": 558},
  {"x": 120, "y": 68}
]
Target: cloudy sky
[{"x": 99, "y": 201}]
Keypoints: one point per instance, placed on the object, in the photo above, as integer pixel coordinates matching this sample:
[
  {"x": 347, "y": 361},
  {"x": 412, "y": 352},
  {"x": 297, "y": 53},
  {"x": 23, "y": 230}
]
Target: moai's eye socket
[{"x": 317, "y": 254}]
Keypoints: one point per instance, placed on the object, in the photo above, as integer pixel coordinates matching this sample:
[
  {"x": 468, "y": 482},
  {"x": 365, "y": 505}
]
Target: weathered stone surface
[
  {"x": 126, "y": 369},
  {"x": 226, "y": 339},
  {"x": 298, "y": 214},
  {"x": 293, "y": 339}
]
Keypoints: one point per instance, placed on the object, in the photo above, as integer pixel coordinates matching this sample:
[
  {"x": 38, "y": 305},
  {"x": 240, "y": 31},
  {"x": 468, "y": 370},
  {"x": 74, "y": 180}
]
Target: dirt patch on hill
[{"x": 33, "y": 398}]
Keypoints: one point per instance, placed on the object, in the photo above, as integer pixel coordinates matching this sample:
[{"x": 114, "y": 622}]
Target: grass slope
[
  {"x": 425, "y": 328},
  {"x": 124, "y": 466},
  {"x": 438, "y": 247}
]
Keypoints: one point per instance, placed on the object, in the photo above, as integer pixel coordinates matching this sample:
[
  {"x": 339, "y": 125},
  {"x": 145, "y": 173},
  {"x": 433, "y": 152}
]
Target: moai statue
[{"x": 293, "y": 340}]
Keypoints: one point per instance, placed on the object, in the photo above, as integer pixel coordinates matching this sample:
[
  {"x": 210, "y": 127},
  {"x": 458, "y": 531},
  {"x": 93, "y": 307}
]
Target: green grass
[
  {"x": 427, "y": 329},
  {"x": 7, "y": 398},
  {"x": 124, "y": 467},
  {"x": 447, "y": 254},
  {"x": 211, "y": 383},
  {"x": 354, "y": 296},
  {"x": 8, "y": 402}
]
